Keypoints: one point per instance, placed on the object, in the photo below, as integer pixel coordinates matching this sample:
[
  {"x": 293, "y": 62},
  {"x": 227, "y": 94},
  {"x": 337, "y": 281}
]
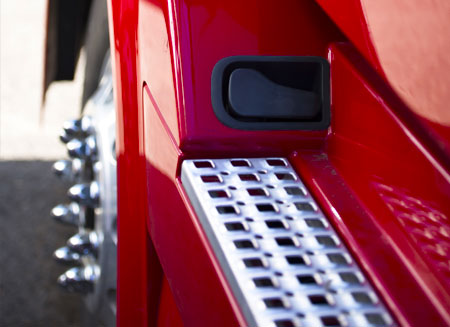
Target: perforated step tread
[{"x": 284, "y": 262}]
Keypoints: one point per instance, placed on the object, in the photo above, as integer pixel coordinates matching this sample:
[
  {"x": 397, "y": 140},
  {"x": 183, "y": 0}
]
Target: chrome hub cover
[{"x": 92, "y": 251}]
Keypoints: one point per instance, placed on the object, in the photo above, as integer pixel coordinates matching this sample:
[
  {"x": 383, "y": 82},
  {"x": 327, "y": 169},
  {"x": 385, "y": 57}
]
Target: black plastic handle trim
[{"x": 289, "y": 72}]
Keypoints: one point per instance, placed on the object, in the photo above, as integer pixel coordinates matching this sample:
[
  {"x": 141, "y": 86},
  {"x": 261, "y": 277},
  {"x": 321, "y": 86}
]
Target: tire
[{"x": 96, "y": 46}]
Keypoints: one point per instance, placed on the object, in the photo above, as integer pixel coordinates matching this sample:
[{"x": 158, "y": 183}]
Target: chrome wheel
[{"x": 92, "y": 208}]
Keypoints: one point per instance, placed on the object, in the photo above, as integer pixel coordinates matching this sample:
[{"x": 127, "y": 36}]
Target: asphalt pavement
[{"x": 29, "y": 295}]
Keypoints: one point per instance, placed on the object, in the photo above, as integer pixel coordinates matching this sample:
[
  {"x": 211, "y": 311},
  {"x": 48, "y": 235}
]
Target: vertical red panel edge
[
  {"x": 168, "y": 314},
  {"x": 139, "y": 273}
]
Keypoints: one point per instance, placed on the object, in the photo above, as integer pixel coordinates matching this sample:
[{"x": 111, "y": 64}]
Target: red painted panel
[
  {"x": 168, "y": 43},
  {"x": 351, "y": 20},
  {"x": 392, "y": 176},
  {"x": 401, "y": 233},
  {"x": 168, "y": 315},
  {"x": 407, "y": 43},
  {"x": 389, "y": 260},
  {"x": 199, "y": 288},
  {"x": 156, "y": 42},
  {"x": 197, "y": 34},
  {"x": 412, "y": 41},
  {"x": 226, "y": 28},
  {"x": 174, "y": 54},
  {"x": 139, "y": 273}
]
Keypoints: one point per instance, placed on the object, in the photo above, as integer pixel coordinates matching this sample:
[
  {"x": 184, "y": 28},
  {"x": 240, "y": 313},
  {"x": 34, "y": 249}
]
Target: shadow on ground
[{"x": 29, "y": 295}]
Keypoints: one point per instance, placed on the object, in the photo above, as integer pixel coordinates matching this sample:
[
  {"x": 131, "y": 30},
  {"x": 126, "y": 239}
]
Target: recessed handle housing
[{"x": 279, "y": 93}]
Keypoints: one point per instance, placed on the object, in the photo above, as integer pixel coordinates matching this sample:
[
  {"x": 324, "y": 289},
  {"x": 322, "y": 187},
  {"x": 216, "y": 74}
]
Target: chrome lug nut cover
[
  {"x": 84, "y": 243},
  {"x": 85, "y": 194},
  {"x": 80, "y": 280},
  {"x": 72, "y": 127},
  {"x": 66, "y": 256},
  {"x": 93, "y": 171},
  {"x": 76, "y": 148},
  {"x": 68, "y": 169},
  {"x": 64, "y": 138},
  {"x": 78, "y": 127},
  {"x": 62, "y": 168},
  {"x": 83, "y": 149},
  {"x": 68, "y": 214}
]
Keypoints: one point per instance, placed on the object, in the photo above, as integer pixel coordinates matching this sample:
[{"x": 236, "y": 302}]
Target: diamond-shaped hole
[
  {"x": 296, "y": 260},
  {"x": 276, "y": 162},
  {"x": 253, "y": 263},
  {"x": 362, "y": 298},
  {"x": 235, "y": 227},
  {"x": 256, "y": 192},
  {"x": 304, "y": 206},
  {"x": 215, "y": 194},
  {"x": 318, "y": 299},
  {"x": 349, "y": 278},
  {"x": 275, "y": 224},
  {"x": 211, "y": 179},
  {"x": 375, "y": 319},
  {"x": 263, "y": 282},
  {"x": 203, "y": 164},
  {"x": 314, "y": 223},
  {"x": 248, "y": 177},
  {"x": 284, "y": 323},
  {"x": 274, "y": 302},
  {"x": 285, "y": 241},
  {"x": 307, "y": 279},
  {"x": 244, "y": 244},
  {"x": 337, "y": 258},
  {"x": 265, "y": 207},
  {"x": 330, "y": 321},
  {"x": 325, "y": 240},
  {"x": 240, "y": 163},
  {"x": 226, "y": 210},
  {"x": 294, "y": 190},
  {"x": 285, "y": 176}
]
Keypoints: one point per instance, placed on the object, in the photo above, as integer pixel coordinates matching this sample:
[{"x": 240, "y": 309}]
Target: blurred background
[{"x": 29, "y": 145}]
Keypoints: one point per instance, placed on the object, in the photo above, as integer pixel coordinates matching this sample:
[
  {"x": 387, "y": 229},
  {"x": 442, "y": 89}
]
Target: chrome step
[{"x": 283, "y": 260}]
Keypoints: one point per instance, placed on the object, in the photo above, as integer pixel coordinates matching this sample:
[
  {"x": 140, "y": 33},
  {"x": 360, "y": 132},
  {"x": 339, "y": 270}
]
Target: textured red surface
[
  {"x": 385, "y": 196},
  {"x": 404, "y": 189}
]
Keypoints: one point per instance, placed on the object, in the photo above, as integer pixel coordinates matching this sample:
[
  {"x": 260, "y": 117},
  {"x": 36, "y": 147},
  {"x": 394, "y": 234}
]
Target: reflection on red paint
[{"x": 426, "y": 225}]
